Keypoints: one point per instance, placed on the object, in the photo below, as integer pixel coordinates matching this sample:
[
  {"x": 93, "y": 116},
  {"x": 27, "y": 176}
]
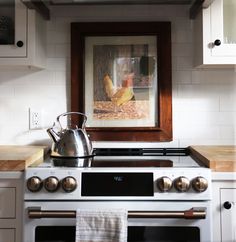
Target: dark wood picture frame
[{"x": 162, "y": 30}]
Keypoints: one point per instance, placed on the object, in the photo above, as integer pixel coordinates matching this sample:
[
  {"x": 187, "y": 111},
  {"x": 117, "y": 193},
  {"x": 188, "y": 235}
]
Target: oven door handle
[{"x": 193, "y": 213}]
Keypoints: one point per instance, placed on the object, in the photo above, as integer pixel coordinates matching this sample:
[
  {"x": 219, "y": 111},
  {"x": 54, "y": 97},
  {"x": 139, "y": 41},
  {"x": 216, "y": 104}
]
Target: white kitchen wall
[{"x": 204, "y": 100}]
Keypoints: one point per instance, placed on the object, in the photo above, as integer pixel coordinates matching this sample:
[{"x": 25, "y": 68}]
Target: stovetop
[{"x": 136, "y": 157}]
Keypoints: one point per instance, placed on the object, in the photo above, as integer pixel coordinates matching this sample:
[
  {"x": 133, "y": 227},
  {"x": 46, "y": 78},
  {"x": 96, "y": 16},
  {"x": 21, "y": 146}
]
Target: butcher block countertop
[
  {"x": 218, "y": 158},
  {"x": 17, "y": 158}
]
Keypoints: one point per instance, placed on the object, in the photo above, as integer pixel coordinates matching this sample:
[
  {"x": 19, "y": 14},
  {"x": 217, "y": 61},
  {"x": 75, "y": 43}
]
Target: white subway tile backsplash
[
  {"x": 99, "y": 144},
  {"x": 51, "y": 51},
  {"x": 228, "y": 104},
  {"x": 204, "y": 100},
  {"x": 182, "y": 50},
  {"x": 188, "y": 142},
  {"x": 58, "y": 37},
  {"x": 57, "y": 64},
  {"x": 63, "y": 24},
  {"x": 61, "y": 78},
  {"x": 196, "y": 104},
  {"x": 183, "y": 36},
  {"x": 221, "y": 77},
  {"x": 196, "y": 131},
  {"x": 199, "y": 91},
  {"x": 62, "y": 50},
  {"x": 197, "y": 77},
  {"x": 40, "y": 77},
  {"x": 184, "y": 63},
  {"x": 199, "y": 118},
  {"x": 50, "y": 24},
  {"x": 181, "y": 77},
  {"x": 227, "y": 118},
  {"x": 227, "y": 132},
  {"x": 6, "y": 91}
]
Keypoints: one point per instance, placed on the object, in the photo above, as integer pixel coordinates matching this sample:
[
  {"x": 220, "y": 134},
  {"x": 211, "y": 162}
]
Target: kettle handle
[{"x": 69, "y": 113}]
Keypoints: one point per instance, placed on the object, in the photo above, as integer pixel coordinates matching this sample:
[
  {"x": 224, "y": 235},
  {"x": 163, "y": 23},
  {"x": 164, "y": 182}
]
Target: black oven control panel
[{"x": 117, "y": 184}]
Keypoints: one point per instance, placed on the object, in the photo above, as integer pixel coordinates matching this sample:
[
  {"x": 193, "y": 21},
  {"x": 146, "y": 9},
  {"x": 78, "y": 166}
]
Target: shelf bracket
[{"x": 39, "y": 6}]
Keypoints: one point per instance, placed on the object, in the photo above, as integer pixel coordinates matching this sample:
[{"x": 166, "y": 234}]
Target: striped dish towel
[{"x": 101, "y": 225}]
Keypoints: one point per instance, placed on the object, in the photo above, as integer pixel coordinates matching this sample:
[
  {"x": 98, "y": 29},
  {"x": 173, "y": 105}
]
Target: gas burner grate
[{"x": 141, "y": 151}]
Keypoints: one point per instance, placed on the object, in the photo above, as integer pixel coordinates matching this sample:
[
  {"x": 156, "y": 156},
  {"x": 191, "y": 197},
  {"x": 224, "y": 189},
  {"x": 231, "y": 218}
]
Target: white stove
[{"x": 166, "y": 185}]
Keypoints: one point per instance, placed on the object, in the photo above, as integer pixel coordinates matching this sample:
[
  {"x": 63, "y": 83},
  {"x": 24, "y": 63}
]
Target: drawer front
[
  {"x": 7, "y": 202},
  {"x": 7, "y": 235}
]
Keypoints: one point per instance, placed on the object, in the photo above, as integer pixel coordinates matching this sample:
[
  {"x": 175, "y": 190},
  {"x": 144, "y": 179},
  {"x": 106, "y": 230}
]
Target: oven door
[{"x": 55, "y": 221}]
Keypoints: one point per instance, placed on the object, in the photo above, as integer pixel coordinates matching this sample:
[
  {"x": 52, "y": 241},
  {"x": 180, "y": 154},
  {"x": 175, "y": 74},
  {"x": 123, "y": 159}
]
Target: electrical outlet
[{"x": 35, "y": 119}]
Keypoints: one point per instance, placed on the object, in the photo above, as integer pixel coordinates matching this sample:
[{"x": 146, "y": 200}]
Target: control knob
[
  {"x": 69, "y": 184},
  {"x": 34, "y": 184},
  {"x": 51, "y": 184},
  {"x": 199, "y": 184},
  {"x": 164, "y": 184},
  {"x": 182, "y": 184}
]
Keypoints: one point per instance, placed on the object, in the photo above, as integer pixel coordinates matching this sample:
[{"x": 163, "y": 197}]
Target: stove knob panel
[
  {"x": 34, "y": 184},
  {"x": 199, "y": 184},
  {"x": 182, "y": 184},
  {"x": 51, "y": 184},
  {"x": 164, "y": 184},
  {"x": 69, "y": 184}
]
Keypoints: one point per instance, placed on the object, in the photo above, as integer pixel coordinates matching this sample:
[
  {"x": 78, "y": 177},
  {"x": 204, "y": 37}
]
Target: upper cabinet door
[
  {"x": 223, "y": 22},
  {"x": 13, "y": 29}
]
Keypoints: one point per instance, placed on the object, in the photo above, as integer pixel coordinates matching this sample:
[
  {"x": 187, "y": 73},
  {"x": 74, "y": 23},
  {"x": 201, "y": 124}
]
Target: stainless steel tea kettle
[{"x": 71, "y": 142}]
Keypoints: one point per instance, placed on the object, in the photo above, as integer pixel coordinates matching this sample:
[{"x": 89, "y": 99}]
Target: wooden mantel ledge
[{"x": 218, "y": 158}]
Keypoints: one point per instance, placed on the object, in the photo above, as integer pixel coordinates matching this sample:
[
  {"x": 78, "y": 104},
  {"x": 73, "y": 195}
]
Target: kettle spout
[{"x": 53, "y": 135}]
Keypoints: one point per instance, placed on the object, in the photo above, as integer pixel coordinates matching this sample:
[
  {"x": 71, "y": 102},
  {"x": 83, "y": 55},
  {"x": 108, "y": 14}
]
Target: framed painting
[{"x": 121, "y": 80}]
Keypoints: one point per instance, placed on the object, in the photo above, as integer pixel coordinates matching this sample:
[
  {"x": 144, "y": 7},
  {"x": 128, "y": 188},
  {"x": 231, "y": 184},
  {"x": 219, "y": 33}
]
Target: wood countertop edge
[
  {"x": 35, "y": 157},
  {"x": 201, "y": 159},
  {"x": 38, "y": 155},
  {"x": 219, "y": 162}
]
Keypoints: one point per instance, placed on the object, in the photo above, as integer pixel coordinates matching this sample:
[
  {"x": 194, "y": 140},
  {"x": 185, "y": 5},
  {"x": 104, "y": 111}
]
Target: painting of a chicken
[{"x": 121, "y": 95}]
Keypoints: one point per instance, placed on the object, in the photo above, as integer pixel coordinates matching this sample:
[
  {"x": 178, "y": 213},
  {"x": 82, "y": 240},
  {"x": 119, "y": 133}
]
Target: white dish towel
[{"x": 101, "y": 225}]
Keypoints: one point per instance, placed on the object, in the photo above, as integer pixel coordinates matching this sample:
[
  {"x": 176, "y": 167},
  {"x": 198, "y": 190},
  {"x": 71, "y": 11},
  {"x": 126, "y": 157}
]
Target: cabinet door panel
[
  {"x": 220, "y": 26},
  {"x": 7, "y": 235},
  {"x": 7, "y": 202},
  {"x": 20, "y": 28},
  {"x": 228, "y": 216}
]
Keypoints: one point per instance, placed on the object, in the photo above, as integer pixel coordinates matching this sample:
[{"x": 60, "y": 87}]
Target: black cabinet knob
[
  {"x": 19, "y": 43},
  {"x": 217, "y": 42},
  {"x": 227, "y": 205}
]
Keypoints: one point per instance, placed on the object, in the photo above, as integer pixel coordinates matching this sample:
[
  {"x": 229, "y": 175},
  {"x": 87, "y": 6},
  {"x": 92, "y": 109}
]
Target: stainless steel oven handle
[{"x": 193, "y": 213}]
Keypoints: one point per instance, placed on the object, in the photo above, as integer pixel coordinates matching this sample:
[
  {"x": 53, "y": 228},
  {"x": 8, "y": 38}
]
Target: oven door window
[
  {"x": 135, "y": 234},
  {"x": 163, "y": 234},
  {"x": 55, "y": 234}
]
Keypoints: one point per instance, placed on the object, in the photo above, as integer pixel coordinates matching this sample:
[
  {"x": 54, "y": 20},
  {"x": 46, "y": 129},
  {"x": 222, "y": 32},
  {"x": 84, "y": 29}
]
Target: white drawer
[
  {"x": 7, "y": 202},
  {"x": 7, "y": 235}
]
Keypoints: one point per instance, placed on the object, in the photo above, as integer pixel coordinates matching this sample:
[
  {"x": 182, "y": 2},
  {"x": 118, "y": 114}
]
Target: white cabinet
[
  {"x": 224, "y": 211},
  {"x": 13, "y": 28},
  {"x": 215, "y": 34},
  {"x": 11, "y": 207},
  {"x": 7, "y": 235},
  {"x": 228, "y": 214},
  {"x": 22, "y": 36},
  {"x": 7, "y": 202}
]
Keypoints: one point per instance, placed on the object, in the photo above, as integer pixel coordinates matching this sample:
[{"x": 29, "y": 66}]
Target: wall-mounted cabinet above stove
[
  {"x": 215, "y": 35},
  {"x": 22, "y": 36}
]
